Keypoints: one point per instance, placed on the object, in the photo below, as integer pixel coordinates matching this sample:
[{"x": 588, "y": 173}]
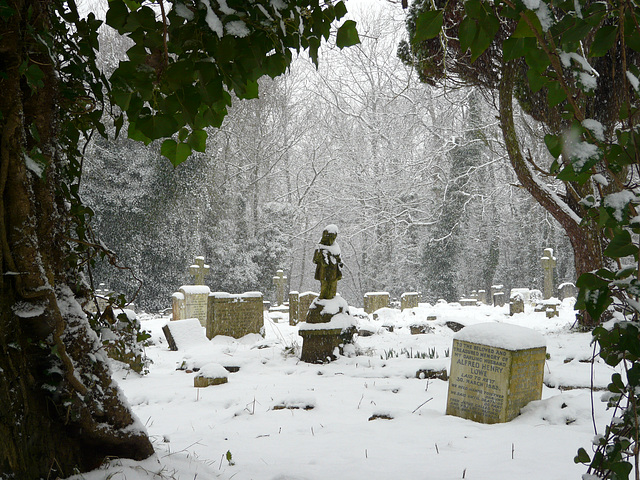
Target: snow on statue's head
[{"x": 329, "y": 234}]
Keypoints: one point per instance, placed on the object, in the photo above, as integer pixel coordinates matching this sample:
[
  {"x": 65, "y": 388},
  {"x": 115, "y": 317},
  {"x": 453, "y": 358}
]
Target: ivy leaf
[
  {"x": 621, "y": 245},
  {"x": 428, "y": 26},
  {"x": 603, "y": 41},
  {"x": 554, "y": 144},
  {"x": 582, "y": 456},
  {"x": 347, "y": 35},
  {"x": 198, "y": 140},
  {"x": 513, "y": 48},
  {"x": 175, "y": 152}
]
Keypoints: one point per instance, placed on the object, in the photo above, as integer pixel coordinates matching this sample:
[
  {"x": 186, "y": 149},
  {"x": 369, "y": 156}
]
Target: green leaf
[
  {"x": 537, "y": 59},
  {"x": 603, "y": 41},
  {"x": 536, "y": 81},
  {"x": 554, "y": 144},
  {"x": 198, "y": 140},
  {"x": 340, "y": 10},
  {"x": 347, "y": 34},
  {"x": 513, "y": 48},
  {"x": 428, "y": 26},
  {"x": 556, "y": 94},
  {"x": 175, "y": 152},
  {"x": 157, "y": 126},
  {"x": 468, "y": 32},
  {"x": 523, "y": 29},
  {"x": 621, "y": 245},
  {"x": 117, "y": 15},
  {"x": 582, "y": 456}
]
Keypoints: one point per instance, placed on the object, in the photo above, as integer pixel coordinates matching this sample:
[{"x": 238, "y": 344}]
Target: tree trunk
[
  {"x": 586, "y": 237},
  {"x": 60, "y": 412}
]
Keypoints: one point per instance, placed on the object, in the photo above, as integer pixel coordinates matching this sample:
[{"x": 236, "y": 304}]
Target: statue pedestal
[
  {"x": 318, "y": 346},
  {"x": 327, "y": 326}
]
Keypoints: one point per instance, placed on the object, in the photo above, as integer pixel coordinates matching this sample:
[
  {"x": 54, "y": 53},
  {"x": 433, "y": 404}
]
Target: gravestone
[
  {"x": 497, "y": 295},
  {"x": 482, "y": 296},
  {"x": 548, "y": 264},
  {"x": 183, "y": 334},
  {"x": 190, "y": 301},
  {"x": 516, "y": 303},
  {"x": 567, "y": 290},
  {"x": 199, "y": 270},
  {"x": 280, "y": 281},
  {"x": 409, "y": 300},
  {"x": 234, "y": 315},
  {"x": 306, "y": 299},
  {"x": 375, "y": 300},
  {"x": 496, "y": 369},
  {"x": 294, "y": 308},
  {"x": 468, "y": 302}
]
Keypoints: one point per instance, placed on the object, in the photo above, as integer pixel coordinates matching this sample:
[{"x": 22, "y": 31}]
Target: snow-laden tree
[{"x": 62, "y": 412}]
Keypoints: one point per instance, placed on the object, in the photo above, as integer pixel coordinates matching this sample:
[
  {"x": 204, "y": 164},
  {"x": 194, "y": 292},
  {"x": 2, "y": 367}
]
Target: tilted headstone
[
  {"x": 183, "y": 334},
  {"x": 234, "y": 315},
  {"x": 548, "y": 264},
  {"x": 280, "y": 281},
  {"x": 567, "y": 290},
  {"x": 375, "y": 300},
  {"x": 409, "y": 300},
  {"x": 496, "y": 369}
]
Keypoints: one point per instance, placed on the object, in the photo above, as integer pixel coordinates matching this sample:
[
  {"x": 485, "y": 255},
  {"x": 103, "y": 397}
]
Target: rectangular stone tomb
[
  {"x": 235, "y": 315},
  {"x": 182, "y": 334},
  {"x": 496, "y": 369}
]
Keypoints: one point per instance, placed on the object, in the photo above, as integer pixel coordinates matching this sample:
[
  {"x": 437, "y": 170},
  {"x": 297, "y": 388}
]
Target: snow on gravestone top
[
  {"x": 501, "y": 335},
  {"x": 195, "y": 289}
]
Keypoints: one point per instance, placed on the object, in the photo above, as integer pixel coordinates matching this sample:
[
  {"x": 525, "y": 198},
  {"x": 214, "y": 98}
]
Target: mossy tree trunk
[
  {"x": 59, "y": 410},
  {"x": 585, "y": 237}
]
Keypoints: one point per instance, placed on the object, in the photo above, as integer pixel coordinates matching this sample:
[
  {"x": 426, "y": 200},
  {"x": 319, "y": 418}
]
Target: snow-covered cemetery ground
[{"x": 368, "y": 415}]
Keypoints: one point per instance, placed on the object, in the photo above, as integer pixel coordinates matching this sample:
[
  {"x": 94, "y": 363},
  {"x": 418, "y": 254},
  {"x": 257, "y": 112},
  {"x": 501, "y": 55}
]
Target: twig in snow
[{"x": 422, "y": 405}]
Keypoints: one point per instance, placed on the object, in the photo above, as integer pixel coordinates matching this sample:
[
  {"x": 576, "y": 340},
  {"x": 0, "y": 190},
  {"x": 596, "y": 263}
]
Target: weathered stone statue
[
  {"x": 328, "y": 325},
  {"x": 328, "y": 263}
]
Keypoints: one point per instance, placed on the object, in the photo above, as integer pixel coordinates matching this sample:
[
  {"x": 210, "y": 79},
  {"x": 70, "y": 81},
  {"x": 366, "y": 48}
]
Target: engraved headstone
[
  {"x": 190, "y": 301},
  {"x": 497, "y": 295},
  {"x": 375, "y": 300},
  {"x": 280, "y": 281},
  {"x": 234, "y": 315},
  {"x": 548, "y": 264},
  {"x": 496, "y": 369},
  {"x": 482, "y": 296}
]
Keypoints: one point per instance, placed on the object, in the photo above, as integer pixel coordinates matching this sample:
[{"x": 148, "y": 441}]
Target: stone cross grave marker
[
  {"x": 496, "y": 369},
  {"x": 280, "y": 281},
  {"x": 548, "y": 263},
  {"x": 199, "y": 270}
]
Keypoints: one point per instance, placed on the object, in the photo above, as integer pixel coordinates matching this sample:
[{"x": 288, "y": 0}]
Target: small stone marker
[
  {"x": 280, "y": 281},
  {"x": 294, "y": 308},
  {"x": 190, "y": 301},
  {"x": 548, "y": 263},
  {"x": 211, "y": 374},
  {"x": 375, "y": 300},
  {"x": 183, "y": 334},
  {"x": 199, "y": 270},
  {"x": 496, "y": 369},
  {"x": 497, "y": 295}
]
